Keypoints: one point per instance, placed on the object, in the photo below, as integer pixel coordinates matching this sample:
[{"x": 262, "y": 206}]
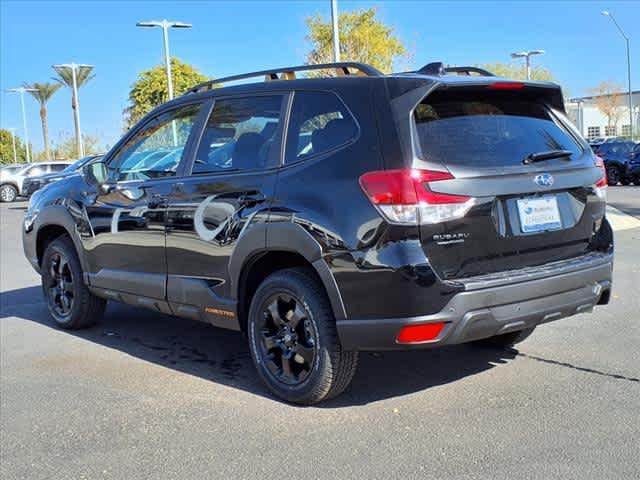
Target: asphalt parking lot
[{"x": 147, "y": 396}]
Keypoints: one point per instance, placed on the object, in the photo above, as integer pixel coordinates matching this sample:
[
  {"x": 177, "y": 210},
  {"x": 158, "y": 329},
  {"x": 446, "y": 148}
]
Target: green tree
[
  {"x": 65, "y": 147},
  {"x": 6, "y": 148},
  {"x": 518, "y": 71},
  {"x": 65, "y": 77},
  {"x": 150, "y": 89},
  {"x": 363, "y": 38},
  {"x": 43, "y": 93}
]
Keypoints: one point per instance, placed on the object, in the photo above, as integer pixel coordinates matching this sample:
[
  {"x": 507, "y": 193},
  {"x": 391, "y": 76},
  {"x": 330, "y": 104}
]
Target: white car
[{"x": 11, "y": 179}]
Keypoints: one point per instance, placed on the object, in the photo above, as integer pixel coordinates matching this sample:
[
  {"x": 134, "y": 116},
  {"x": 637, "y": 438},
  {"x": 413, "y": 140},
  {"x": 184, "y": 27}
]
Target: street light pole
[
  {"x": 166, "y": 25},
  {"x": 606, "y": 13},
  {"x": 336, "y": 34},
  {"x": 74, "y": 77},
  {"x": 21, "y": 91},
  {"x": 527, "y": 56}
]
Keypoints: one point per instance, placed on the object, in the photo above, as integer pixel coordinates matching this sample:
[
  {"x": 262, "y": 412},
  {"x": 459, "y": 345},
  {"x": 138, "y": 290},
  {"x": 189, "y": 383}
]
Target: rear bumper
[{"x": 496, "y": 305}]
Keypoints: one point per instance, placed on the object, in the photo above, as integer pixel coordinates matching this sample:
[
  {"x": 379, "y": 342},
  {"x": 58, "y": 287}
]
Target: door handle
[
  {"x": 251, "y": 199},
  {"x": 157, "y": 201}
]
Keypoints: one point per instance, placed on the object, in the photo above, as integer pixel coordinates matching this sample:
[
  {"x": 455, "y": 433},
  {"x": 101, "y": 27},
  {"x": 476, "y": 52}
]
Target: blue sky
[{"x": 583, "y": 48}]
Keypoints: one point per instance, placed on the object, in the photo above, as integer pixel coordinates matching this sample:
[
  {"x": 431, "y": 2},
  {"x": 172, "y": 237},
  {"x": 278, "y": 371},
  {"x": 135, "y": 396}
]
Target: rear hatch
[{"x": 527, "y": 177}]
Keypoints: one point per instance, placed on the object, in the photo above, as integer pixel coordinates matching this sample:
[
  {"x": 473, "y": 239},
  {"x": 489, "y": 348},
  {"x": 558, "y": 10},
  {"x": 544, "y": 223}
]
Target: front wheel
[
  {"x": 293, "y": 339},
  {"x": 8, "y": 193},
  {"x": 70, "y": 302}
]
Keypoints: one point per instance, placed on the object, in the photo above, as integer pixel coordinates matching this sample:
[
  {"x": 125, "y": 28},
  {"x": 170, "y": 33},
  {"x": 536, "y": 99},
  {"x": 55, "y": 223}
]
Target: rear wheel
[
  {"x": 613, "y": 175},
  {"x": 8, "y": 193},
  {"x": 293, "y": 339},
  {"x": 505, "y": 340},
  {"x": 70, "y": 302}
]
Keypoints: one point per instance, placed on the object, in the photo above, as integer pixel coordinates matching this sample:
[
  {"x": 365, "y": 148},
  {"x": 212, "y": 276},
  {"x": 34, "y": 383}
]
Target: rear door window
[
  {"x": 241, "y": 134},
  {"x": 319, "y": 123},
  {"x": 488, "y": 129}
]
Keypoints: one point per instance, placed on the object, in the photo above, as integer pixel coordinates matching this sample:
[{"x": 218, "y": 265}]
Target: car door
[
  {"x": 125, "y": 243},
  {"x": 225, "y": 193}
]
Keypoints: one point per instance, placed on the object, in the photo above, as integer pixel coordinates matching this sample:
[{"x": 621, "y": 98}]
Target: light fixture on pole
[
  {"x": 336, "y": 34},
  {"x": 607, "y": 13},
  {"x": 74, "y": 76},
  {"x": 527, "y": 56},
  {"x": 166, "y": 25},
  {"x": 12, "y": 130},
  {"x": 21, "y": 91}
]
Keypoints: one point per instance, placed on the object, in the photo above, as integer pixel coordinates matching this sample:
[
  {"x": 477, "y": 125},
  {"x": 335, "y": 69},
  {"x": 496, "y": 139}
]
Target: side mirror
[{"x": 95, "y": 174}]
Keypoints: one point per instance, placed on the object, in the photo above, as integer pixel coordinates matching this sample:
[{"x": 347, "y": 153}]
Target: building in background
[{"x": 593, "y": 123}]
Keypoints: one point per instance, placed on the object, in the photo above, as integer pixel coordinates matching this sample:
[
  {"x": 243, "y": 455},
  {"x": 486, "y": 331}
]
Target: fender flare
[
  {"x": 289, "y": 237},
  {"x": 59, "y": 216}
]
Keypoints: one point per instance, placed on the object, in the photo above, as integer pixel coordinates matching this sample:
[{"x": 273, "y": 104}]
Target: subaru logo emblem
[{"x": 544, "y": 179}]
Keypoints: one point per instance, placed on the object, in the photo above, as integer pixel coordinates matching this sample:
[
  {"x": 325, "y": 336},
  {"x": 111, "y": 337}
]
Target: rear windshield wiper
[{"x": 548, "y": 155}]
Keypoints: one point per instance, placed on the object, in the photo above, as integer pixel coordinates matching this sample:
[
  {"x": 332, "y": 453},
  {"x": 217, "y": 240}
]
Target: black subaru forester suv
[{"x": 344, "y": 211}]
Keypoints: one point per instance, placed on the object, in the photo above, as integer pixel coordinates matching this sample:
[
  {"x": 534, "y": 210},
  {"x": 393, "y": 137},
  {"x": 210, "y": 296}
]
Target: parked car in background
[
  {"x": 11, "y": 183},
  {"x": 616, "y": 157},
  {"x": 633, "y": 164},
  {"x": 594, "y": 143},
  {"x": 32, "y": 184}
]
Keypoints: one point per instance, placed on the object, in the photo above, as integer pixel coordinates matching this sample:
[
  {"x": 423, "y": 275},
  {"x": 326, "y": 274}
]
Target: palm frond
[
  {"x": 65, "y": 76},
  {"x": 44, "y": 90}
]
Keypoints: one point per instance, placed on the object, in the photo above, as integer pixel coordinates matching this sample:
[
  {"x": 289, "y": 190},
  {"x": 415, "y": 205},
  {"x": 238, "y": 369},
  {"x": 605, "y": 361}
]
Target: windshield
[
  {"x": 11, "y": 170},
  {"x": 487, "y": 129}
]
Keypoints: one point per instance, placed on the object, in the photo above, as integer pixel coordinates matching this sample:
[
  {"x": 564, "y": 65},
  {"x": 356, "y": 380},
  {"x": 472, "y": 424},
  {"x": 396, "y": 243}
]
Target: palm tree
[
  {"x": 42, "y": 92},
  {"x": 65, "y": 77}
]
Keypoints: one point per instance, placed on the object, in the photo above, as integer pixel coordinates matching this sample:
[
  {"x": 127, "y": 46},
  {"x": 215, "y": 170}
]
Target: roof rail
[
  {"x": 288, "y": 73},
  {"x": 438, "y": 68}
]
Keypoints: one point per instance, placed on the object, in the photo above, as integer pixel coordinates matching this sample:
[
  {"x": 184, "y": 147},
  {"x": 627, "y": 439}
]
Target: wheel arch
[
  {"x": 272, "y": 247},
  {"x": 54, "y": 222}
]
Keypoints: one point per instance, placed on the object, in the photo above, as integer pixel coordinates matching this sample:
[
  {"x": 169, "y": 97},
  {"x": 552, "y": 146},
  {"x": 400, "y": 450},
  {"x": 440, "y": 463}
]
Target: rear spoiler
[{"x": 406, "y": 93}]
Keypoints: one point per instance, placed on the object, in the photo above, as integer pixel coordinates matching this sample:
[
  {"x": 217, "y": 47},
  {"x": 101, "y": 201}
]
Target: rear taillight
[
  {"x": 601, "y": 185},
  {"x": 420, "y": 333},
  {"x": 505, "y": 86},
  {"x": 404, "y": 196}
]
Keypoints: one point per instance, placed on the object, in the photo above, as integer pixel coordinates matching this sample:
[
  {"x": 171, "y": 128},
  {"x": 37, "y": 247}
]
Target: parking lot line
[{"x": 620, "y": 220}]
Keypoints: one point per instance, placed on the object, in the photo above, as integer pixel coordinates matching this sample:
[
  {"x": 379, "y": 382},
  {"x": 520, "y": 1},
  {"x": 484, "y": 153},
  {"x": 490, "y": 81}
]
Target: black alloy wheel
[
  {"x": 60, "y": 286},
  {"x": 287, "y": 339},
  {"x": 69, "y": 300},
  {"x": 294, "y": 341}
]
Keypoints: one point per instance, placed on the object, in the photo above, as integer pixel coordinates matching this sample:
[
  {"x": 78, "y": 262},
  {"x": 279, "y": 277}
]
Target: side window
[
  {"x": 58, "y": 167},
  {"x": 319, "y": 122},
  {"x": 36, "y": 170},
  {"x": 156, "y": 150},
  {"x": 241, "y": 134}
]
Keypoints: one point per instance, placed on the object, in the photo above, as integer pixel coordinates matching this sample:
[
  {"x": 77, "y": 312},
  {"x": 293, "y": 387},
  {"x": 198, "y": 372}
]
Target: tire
[
  {"x": 8, "y": 193},
  {"x": 70, "y": 302},
  {"x": 293, "y": 339},
  {"x": 625, "y": 181},
  {"x": 613, "y": 175},
  {"x": 506, "y": 340}
]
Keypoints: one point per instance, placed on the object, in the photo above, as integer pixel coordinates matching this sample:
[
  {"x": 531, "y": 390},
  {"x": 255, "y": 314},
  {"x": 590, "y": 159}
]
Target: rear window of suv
[{"x": 487, "y": 129}]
